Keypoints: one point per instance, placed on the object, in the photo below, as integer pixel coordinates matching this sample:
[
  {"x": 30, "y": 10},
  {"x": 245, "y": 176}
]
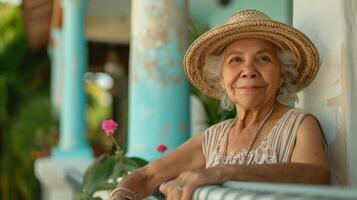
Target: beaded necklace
[{"x": 224, "y": 156}]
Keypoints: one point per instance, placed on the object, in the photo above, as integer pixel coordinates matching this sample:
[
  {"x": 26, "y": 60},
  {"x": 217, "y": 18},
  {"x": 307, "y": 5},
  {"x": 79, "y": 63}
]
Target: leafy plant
[
  {"x": 28, "y": 138},
  {"x": 103, "y": 174},
  {"x": 105, "y": 171},
  {"x": 25, "y": 109},
  {"x": 212, "y": 106},
  {"x": 97, "y": 110}
]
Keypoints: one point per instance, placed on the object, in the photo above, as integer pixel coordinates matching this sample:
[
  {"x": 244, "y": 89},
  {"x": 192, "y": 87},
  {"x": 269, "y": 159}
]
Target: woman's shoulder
[
  {"x": 300, "y": 112},
  {"x": 288, "y": 111}
]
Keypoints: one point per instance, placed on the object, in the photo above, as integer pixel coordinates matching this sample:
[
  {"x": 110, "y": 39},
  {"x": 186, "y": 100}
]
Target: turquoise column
[
  {"x": 73, "y": 142},
  {"x": 158, "y": 90}
]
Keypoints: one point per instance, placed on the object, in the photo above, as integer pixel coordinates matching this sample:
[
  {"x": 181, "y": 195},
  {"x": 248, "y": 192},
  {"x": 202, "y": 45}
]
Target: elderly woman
[{"x": 256, "y": 65}]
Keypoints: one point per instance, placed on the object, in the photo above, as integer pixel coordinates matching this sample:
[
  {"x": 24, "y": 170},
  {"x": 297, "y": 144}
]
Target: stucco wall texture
[{"x": 331, "y": 97}]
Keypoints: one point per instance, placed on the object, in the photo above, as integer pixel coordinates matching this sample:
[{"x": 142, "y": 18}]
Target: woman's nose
[{"x": 249, "y": 71}]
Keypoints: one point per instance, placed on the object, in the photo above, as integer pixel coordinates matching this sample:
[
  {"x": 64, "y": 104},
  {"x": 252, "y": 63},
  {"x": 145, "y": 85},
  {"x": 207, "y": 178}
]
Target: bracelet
[
  {"x": 124, "y": 189},
  {"x": 119, "y": 188},
  {"x": 119, "y": 196}
]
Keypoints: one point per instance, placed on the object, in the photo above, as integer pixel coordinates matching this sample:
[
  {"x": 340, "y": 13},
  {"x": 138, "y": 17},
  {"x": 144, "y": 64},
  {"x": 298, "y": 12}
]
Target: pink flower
[
  {"x": 161, "y": 148},
  {"x": 109, "y": 127}
]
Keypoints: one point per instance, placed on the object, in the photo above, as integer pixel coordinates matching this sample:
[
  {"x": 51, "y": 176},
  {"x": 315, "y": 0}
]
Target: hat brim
[{"x": 283, "y": 36}]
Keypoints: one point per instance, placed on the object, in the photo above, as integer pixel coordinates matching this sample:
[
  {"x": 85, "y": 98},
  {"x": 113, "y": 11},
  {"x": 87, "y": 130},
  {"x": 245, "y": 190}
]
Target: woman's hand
[
  {"x": 185, "y": 184},
  {"x": 144, "y": 181}
]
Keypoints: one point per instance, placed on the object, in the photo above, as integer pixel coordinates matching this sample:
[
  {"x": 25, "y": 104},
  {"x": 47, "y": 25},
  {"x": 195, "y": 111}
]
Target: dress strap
[{"x": 284, "y": 141}]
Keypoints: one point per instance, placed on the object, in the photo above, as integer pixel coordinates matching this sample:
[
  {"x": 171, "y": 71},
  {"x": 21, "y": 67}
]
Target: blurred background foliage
[
  {"x": 28, "y": 127},
  {"x": 98, "y": 110},
  {"x": 27, "y": 130},
  {"x": 212, "y": 106}
]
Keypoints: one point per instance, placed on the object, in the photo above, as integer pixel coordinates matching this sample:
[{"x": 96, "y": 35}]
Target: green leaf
[
  {"x": 98, "y": 173},
  {"x": 119, "y": 170},
  {"x": 139, "y": 161},
  {"x": 83, "y": 196},
  {"x": 130, "y": 165},
  {"x": 106, "y": 186},
  {"x": 108, "y": 167}
]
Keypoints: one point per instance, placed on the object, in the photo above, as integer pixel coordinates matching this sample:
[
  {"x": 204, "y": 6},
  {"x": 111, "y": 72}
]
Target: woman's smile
[{"x": 250, "y": 88}]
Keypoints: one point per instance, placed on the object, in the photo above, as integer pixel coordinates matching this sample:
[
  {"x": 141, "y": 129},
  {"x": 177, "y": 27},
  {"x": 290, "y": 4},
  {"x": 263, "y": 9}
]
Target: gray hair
[{"x": 212, "y": 71}]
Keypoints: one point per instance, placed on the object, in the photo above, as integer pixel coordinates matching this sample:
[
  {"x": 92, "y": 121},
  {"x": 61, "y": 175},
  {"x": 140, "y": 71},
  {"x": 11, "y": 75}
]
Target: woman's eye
[
  {"x": 263, "y": 58},
  {"x": 235, "y": 59}
]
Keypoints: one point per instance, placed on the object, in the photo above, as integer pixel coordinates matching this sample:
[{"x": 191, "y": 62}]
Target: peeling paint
[
  {"x": 167, "y": 129},
  {"x": 340, "y": 105},
  {"x": 163, "y": 16},
  {"x": 158, "y": 43},
  {"x": 333, "y": 86},
  {"x": 134, "y": 77},
  {"x": 337, "y": 151},
  {"x": 350, "y": 7},
  {"x": 183, "y": 127},
  {"x": 160, "y": 38},
  {"x": 150, "y": 63}
]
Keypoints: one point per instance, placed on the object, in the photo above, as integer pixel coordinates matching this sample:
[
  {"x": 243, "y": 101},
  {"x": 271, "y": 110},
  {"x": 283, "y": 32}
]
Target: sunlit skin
[{"x": 251, "y": 73}]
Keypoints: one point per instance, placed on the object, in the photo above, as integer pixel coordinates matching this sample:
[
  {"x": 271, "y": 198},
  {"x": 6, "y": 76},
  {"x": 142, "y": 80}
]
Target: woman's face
[{"x": 251, "y": 72}]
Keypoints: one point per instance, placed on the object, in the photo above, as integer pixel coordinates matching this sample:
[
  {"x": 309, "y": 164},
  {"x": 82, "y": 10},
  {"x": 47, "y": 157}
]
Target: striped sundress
[{"x": 274, "y": 148}]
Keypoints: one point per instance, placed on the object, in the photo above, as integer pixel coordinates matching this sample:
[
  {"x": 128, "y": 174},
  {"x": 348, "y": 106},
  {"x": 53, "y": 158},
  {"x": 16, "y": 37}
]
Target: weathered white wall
[{"x": 331, "y": 97}]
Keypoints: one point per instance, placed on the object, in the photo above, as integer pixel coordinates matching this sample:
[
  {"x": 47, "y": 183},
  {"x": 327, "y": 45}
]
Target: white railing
[
  {"x": 269, "y": 191},
  {"x": 232, "y": 190}
]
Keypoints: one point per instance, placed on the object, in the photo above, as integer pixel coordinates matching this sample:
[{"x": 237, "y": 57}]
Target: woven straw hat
[{"x": 251, "y": 24}]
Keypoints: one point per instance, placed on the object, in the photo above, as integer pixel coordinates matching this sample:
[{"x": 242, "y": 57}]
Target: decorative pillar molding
[
  {"x": 52, "y": 172},
  {"x": 73, "y": 142},
  {"x": 159, "y": 111}
]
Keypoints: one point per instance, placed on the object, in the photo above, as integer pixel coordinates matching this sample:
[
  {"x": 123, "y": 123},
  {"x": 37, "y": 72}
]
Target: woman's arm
[
  {"x": 279, "y": 173},
  {"x": 309, "y": 142},
  {"x": 308, "y": 165},
  {"x": 188, "y": 156},
  {"x": 184, "y": 185}
]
